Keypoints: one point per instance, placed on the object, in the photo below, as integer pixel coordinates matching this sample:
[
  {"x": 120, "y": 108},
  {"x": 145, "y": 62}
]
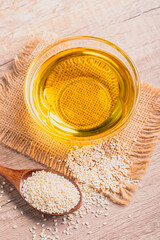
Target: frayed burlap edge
[
  {"x": 141, "y": 151},
  {"x": 15, "y": 140}
]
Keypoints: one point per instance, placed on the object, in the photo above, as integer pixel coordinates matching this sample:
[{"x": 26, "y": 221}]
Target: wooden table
[{"x": 134, "y": 25}]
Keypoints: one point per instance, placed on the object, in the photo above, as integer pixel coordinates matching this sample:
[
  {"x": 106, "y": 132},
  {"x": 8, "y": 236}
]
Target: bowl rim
[{"x": 98, "y": 137}]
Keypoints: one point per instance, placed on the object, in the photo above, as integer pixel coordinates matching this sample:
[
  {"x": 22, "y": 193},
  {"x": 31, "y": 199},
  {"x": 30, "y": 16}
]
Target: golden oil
[{"x": 82, "y": 92}]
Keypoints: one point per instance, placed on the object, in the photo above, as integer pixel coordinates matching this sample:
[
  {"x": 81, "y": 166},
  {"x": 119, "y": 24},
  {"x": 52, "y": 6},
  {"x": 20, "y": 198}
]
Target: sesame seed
[
  {"x": 14, "y": 227},
  {"x": 90, "y": 232},
  {"x": 129, "y": 215},
  {"x": 15, "y": 207}
]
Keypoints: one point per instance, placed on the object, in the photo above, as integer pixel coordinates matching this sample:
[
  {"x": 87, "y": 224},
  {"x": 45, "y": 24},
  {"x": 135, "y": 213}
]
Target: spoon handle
[{"x": 13, "y": 176}]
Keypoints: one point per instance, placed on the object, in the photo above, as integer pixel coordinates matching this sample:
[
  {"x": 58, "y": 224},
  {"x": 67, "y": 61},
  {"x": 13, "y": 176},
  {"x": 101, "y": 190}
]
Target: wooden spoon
[{"x": 17, "y": 177}]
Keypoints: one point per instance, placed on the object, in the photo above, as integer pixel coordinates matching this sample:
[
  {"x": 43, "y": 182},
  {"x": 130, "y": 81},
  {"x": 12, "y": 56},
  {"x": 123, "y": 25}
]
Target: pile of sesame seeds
[
  {"x": 50, "y": 192},
  {"x": 102, "y": 168}
]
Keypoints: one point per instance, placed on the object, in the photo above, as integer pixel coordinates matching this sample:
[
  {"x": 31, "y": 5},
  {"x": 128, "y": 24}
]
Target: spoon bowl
[{"x": 17, "y": 177}]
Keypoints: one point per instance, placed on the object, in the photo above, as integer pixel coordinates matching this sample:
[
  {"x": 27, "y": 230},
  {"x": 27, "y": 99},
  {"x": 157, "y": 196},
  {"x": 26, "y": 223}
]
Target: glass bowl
[{"x": 82, "y": 90}]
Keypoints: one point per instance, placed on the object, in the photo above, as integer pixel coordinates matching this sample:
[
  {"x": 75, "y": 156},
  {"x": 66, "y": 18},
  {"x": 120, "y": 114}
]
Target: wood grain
[{"x": 134, "y": 25}]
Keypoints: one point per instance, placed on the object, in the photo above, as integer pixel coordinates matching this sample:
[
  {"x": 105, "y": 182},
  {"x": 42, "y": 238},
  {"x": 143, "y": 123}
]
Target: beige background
[{"x": 134, "y": 25}]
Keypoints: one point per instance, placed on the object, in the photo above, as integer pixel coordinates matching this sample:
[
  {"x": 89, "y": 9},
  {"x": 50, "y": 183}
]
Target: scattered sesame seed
[
  {"x": 21, "y": 212},
  {"x": 90, "y": 232},
  {"x": 50, "y": 229},
  {"x": 14, "y": 227},
  {"x": 15, "y": 207},
  {"x": 129, "y": 215}
]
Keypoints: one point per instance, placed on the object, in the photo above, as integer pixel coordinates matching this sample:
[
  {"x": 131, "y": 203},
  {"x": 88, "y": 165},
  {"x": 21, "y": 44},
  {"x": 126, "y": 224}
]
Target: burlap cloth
[{"x": 19, "y": 132}]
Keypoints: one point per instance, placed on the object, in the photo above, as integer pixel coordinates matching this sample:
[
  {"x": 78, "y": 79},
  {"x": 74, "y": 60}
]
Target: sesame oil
[{"x": 82, "y": 91}]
